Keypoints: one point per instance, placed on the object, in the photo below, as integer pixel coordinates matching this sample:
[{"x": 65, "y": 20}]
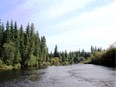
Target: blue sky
[{"x": 71, "y": 24}]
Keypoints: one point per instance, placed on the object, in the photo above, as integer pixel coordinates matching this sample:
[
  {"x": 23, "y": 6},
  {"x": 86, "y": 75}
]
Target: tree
[
  {"x": 8, "y": 53},
  {"x": 92, "y": 49},
  {"x": 66, "y": 56},
  {"x": 1, "y": 33},
  {"x": 56, "y": 54},
  {"x": 8, "y": 46},
  {"x": 17, "y": 58},
  {"x": 7, "y": 34},
  {"x": 19, "y": 47},
  {"x": 12, "y": 30},
  {"x": 44, "y": 49},
  {"x": 26, "y": 44},
  {"x": 21, "y": 41},
  {"x": 37, "y": 51},
  {"x": 1, "y": 37},
  {"x": 32, "y": 39},
  {"x": 63, "y": 57}
]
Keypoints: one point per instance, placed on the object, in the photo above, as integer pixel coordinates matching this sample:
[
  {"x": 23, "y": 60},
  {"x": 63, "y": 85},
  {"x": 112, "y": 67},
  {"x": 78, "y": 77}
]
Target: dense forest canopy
[{"x": 19, "y": 48}]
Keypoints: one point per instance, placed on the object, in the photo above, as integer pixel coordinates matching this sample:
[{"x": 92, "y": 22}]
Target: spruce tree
[
  {"x": 44, "y": 49},
  {"x": 56, "y": 54},
  {"x": 17, "y": 58},
  {"x": 37, "y": 51},
  {"x": 32, "y": 39},
  {"x": 8, "y": 46},
  {"x": 21, "y": 44}
]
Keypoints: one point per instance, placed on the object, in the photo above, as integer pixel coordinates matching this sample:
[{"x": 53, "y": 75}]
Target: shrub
[{"x": 55, "y": 61}]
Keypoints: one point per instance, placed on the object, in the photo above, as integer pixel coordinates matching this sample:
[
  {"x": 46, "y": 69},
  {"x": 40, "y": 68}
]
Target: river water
[{"x": 78, "y": 75}]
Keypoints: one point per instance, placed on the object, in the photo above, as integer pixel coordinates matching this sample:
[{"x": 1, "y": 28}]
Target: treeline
[
  {"x": 68, "y": 57},
  {"x": 72, "y": 57},
  {"x": 106, "y": 57},
  {"x": 21, "y": 48},
  {"x": 96, "y": 56}
]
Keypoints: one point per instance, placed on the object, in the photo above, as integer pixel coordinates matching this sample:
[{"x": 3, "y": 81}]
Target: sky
[{"x": 69, "y": 24}]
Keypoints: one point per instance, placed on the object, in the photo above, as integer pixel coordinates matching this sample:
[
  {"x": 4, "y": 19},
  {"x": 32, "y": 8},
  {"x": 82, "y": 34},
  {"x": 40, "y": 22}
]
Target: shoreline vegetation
[
  {"x": 105, "y": 58},
  {"x": 19, "y": 49}
]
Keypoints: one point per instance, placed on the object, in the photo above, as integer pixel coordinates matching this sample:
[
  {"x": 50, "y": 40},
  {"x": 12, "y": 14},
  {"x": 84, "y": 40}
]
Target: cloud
[
  {"x": 73, "y": 40},
  {"x": 55, "y": 9},
  {"x": 91, "y": 28},
  {"x": 102, "y": 15},
  {"x": 66, "y": 6}
]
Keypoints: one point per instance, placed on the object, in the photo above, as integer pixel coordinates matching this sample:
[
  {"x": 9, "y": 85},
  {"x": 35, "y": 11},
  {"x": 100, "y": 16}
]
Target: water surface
[{"x": 78, "y": 75}]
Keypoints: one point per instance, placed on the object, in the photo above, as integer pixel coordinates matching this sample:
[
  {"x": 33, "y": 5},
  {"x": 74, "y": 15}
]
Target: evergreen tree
[
  {"x": 17, "y": 58},
  {"x": 44, "y": 49},
  {"x": 12, "y": 30},
  {"x": 37, "y": 51},
  {"x": 1, "y": 37},
  {"x": 63, "y": 57},
  {"x": 92, "y": 49},
  {"x": 1, "y": 33},
  {"x": 32, "y": 39},
  {"x": 8, "y": 46},
  {"x": 26, "y": 46},
  {"x": 66, "y": 56},
  {"x": 56, "y": 54},
  {"x": 7, "y": 34},
  {"x": 21, "y": 42}
]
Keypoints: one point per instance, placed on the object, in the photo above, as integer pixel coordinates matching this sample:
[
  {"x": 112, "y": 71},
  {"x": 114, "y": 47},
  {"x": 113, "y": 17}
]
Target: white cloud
[
  {"x": 66, "y": 6},
  {"x": 73, "y": 40},
  {"x": 54, "y": 9},
  {"x": 106, "y": 12},
  {"x": 104, "y": 15},
  {"x": 97, "y": 28}
]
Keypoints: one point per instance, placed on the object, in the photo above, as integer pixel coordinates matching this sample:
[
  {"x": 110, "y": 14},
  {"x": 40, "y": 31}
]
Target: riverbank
[{"x": 9, "y": 67}]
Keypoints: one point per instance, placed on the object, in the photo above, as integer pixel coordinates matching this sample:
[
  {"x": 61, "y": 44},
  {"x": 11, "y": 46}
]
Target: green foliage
[
  {"x": 65, "y": 63},
  {"x": 4, "y": 66},
  {"x": 44, "y": 49},
  {"x": 56, "y": 54},
  {"x": 8, "y": 53},
  {"x": 69, "y": 57},
  {"x": 19, "y": 48},
  {"x": 37, "y": 50},
  {"x": 17, "y": 66},
  {"x": 1, "y": 62},
  {"x": 106, "y": 58},
  {"x": 44, "y": 64},
  {"x": 17, "y": 58},
  {"x": 31, "y": 61},
  {"x": 55, "y": 61},
  {"x": 85, "y": 61}
]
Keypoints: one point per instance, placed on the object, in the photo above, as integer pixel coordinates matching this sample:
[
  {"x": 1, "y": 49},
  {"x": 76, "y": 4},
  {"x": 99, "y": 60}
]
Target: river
[{"x": 77, "y": 75}]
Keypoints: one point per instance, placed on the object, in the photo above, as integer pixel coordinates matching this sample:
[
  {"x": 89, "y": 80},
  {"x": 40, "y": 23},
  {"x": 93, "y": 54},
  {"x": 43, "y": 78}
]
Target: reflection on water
[{"x": 78, "y": 75}]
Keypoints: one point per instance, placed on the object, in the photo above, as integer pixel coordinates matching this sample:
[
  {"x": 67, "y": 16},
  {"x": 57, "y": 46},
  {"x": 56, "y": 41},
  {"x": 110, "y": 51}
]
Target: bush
[
  {"x": 17, "y": 66},
  {"x": 106, "y": 58},
  {"x": 31, "y": 61},
  {"x": 1, "y": 62},
  {"x": 44, "y": 64},
  {"x": 65, "y": 63},
  {"x": 55, "y": 61}
]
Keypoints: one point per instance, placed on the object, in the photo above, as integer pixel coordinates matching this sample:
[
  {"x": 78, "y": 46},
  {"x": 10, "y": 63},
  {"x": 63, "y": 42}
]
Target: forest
[{"x": 21, "y": 47}]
